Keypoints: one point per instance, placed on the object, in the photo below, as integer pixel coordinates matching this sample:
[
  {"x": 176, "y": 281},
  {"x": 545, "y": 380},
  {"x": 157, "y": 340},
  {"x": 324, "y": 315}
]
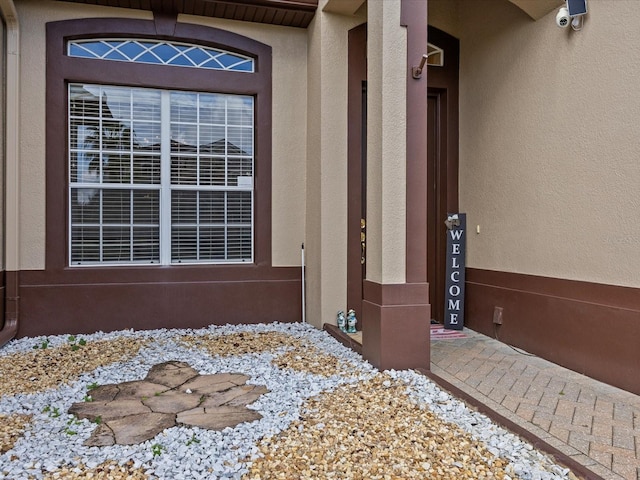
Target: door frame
[
  {"x": 356, "y": 161},
  {"x": 436, "y": 198},
  {"x": 443, "y": 85}
]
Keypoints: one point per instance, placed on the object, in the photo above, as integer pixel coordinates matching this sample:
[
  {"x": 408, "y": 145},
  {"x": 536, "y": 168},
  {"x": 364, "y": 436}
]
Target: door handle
[{"x": 363, "y": 240}]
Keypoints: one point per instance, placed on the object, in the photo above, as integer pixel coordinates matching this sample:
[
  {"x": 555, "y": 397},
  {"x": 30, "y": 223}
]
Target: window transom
[{"x": 160, "y": 53}]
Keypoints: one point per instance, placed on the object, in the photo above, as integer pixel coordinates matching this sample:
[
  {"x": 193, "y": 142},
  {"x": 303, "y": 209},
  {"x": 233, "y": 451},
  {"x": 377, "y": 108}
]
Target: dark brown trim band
[
  {"x": 165, "y": 23},
  {"x": 413, "y": 15},
  {"x": 396, "y": 294},
  {"x": 2, "y": 296},
  {"x": 57, "y": 308},
  {"x": 10, "y": 303},
  {"x": 342, "y": 337},
  {"x": 588, "y": 327},
  {"x": 395, "y": 330}
]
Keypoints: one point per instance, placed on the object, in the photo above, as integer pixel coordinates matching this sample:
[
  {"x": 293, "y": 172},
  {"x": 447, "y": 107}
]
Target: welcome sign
[{"x": 454, "y": 282}]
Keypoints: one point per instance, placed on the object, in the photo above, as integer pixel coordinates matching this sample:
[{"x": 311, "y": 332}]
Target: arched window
[{"x": 167, "y": 151}]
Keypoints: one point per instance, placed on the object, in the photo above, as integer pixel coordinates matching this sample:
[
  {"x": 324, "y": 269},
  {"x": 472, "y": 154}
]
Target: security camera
[{"x": 562, "y": 18}]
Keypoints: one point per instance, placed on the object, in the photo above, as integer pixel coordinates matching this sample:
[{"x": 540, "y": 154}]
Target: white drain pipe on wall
[
  {"x": 304, "y": 296},
  {"x": 12, "y": 170}
]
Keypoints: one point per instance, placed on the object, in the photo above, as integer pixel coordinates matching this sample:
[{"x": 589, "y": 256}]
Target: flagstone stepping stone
[
  {"x": 217, "y": 418},
  {"x": 171, "y": 374},
  {"x": 140, "y": 389},
  {"x": 172, "y": 402},
  {"x": 104, "y": 393},
  {"x": 102, "y": 436},
  {"x": 242, "y": 395},
  {"x": 139, "y": 428},
  {"x": 172, "y": 394},
  {"x": 118, "y": 408},
  {"x": 207, "y": 384}
]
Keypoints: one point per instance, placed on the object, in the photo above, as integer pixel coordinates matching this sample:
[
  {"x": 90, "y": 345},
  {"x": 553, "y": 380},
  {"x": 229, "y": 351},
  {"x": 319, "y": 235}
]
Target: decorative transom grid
[{"x": 160, "y": 53}]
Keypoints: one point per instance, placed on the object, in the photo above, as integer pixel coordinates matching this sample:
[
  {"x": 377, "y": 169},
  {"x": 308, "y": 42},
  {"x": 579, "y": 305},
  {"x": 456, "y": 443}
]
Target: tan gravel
[
  {"x": 105, "y": 471},
  {"x": 311, "y": 360},
  {"x": 365, "y": 430},
  {"x": 372, "y": 430},
  {"x": 11, "y": 429},
  {"x": 50, "y": 367},
  {"x": 240, "y": 343},
  {"x": 300, "y": 356}
]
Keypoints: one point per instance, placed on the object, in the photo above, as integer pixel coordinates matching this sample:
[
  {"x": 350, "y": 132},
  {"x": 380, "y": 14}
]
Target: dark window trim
[{"x": 62, "y": 69}]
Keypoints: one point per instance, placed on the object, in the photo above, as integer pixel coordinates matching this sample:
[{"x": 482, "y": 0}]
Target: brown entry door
[
  {"x": 357, "y": 168},
  {"x": 436, "y": 205},
  {"x": 442, "y": 162}
]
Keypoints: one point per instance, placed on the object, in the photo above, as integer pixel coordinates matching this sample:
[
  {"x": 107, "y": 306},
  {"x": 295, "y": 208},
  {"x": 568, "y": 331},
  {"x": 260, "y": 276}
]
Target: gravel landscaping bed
[{"x": 327, "y": 413}]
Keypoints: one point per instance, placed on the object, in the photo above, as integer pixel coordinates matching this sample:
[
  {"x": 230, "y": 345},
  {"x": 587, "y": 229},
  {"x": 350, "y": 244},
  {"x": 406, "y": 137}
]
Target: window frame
[
  {"x": 166, "y": 224},
  {"x": 62, "y": 70}
]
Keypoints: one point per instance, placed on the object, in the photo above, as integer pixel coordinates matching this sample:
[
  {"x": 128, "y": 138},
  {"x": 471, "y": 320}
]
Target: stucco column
[{"x": 396, "y": 311}]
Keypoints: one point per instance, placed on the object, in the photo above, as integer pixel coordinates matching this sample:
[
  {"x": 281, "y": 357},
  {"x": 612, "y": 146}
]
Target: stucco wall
[
  {"x": 313, "y": 212},
  {"x": 327, "y": 165},
  {"x": 444, "y": 14},
  {"x": 386, "y": 143},
  {"x": 548, "y": 140},
  {"x": 289, "y": 117}
]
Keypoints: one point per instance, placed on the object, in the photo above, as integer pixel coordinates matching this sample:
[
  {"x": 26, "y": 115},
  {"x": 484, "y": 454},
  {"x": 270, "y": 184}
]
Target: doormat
[{"x": 438, "y": 332}]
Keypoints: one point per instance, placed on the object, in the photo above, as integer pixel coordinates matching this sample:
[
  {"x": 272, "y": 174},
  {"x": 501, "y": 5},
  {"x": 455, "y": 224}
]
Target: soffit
[
  {"x": 344, "y": 7},
  {"x": 537, "y": 9},
  {"x": 289, "y": 13}
]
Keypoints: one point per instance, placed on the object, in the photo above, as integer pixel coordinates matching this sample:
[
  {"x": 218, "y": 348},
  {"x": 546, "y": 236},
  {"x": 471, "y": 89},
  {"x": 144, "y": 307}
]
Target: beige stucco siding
[
  {"x": 386, "y": 143},
  {"x": 444, "y": 14},
  {"x": 327, "y": 165},
  {"x": 313, "y": 225},
  {"x": 548, "y": 140},
  {"x": 289, "y": 123}
]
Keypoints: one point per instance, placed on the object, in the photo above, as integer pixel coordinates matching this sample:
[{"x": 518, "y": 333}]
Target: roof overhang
[
  {"x": 537, "y": 9},
  {"x": 343, "y": 7},
  {"x": 290, "y": 13}
]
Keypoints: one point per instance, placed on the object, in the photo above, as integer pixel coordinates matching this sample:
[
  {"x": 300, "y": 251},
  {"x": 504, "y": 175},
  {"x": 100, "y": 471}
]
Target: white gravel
[{"x": 193, "y": 453}]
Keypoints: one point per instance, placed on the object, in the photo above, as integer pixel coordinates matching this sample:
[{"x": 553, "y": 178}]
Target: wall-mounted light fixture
[
  {"x": 572, "y": 14},
  {"x": 434, "y": 58},
  {"x": 416, "y": 72}
]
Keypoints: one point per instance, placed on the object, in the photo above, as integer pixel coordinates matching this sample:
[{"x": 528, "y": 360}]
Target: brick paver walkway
[{"x": 595, "y": 424}]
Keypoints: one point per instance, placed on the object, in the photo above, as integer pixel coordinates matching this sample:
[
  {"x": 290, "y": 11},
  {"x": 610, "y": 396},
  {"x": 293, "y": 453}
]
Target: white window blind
[{"x": 159, "y": 177}]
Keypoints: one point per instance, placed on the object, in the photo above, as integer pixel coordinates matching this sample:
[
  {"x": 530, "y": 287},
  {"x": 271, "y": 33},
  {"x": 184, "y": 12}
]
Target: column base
[{"x": 395, "y": 328}]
